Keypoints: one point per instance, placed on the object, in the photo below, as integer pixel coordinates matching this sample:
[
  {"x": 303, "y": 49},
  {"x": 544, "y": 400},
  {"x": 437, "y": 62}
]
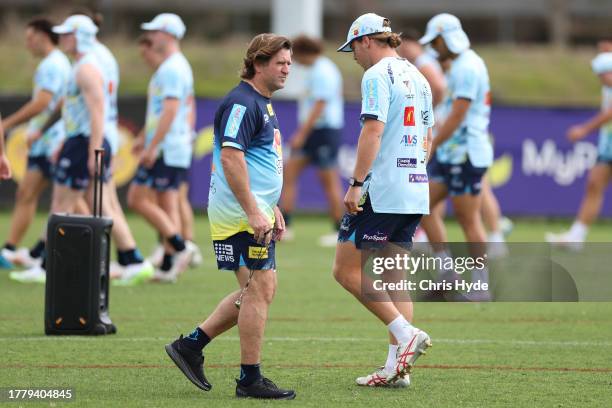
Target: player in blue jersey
[
  {"x": 462, "y": 145},
  {"x": 601, "y": 174},
  {"x": 49, "y": 85},
  {"x": 388, "y": 192},
  {"x": 167, "y": 144},
  {"x": 83, "y": 114},
  {"x": 319, "y": 134},
  {"x": 244, "y": 217},
  {"x": 131, "y": 268}
]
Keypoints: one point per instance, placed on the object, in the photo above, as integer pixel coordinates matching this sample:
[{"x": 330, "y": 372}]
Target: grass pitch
[{"x": 318, "y": 340}]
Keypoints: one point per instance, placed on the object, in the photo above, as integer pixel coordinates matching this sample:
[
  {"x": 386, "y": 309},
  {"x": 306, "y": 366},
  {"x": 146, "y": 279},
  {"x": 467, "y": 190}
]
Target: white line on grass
[{"x": 534, "y": 343}]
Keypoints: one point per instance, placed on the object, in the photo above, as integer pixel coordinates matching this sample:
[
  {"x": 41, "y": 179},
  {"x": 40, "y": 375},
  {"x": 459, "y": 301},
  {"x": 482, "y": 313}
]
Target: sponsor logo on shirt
[
  {"x": 270, "y": 110},
  {"x": 408, "y": 162},
  {"x": 417, "y": 178},
  {"x": 371, "y": 95},
  {"x": 425, "y": 117},
  {"x": 409, "y": 140},
  {"x": 390, "y": 72},
  {"x": 234, "y": 120},
  {"x": 409, "y": 116},
  {"x": 266, "y": 118},
  {"x": 224, "y": 252}
]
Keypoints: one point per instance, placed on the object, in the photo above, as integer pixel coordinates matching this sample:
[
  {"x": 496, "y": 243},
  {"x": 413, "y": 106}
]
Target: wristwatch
[{"x": 354, "y": 183}]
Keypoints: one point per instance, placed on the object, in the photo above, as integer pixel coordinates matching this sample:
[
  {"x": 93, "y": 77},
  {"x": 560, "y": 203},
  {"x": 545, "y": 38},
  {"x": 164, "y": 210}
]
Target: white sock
[
  {"x": 496, "y": 236},
  {"x": 401, "y": 329},
  {"x": 578, "y": 231},
  {"x": 391, "y": 358}
]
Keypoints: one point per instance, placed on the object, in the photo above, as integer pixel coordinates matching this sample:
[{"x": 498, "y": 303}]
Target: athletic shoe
[
  {"x": 182, "y": 259},
  {"x": 5, "y": 263},
  {"x": 196, "y": 259},
  {"x": 506, "y": 225},
  {"x": 157, "y": 256},
  {"x": 497, "y": 250},
  {"x": 35, "y": 274},
  {"x": 21, "y": 257},
  {"x": 164, "y": 276},
  {"x": 408, "y": 353},
  {"x": 328, "y": 240},
  {"x": 135, "y": 273},
  {"x": 379, "y": 379},
  {"x": 263, "y": 389},
  {"x": 190, "y": 362},
  {"x": 115, "y": 270},
  {"x": 564, "y": 241}
]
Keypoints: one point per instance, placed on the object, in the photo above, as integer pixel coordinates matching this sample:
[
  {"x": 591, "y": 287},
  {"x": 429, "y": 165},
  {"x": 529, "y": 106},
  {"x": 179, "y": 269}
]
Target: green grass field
[{"x": 318, "y": 340}]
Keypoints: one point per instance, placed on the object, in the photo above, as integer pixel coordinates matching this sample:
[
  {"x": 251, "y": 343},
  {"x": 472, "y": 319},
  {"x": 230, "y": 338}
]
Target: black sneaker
[
  {"x": 263, "y": 388},
  {"x": 190, "y": 362}
]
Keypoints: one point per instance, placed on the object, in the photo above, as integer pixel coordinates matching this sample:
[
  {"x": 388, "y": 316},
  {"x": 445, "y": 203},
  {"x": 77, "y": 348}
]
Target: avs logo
[
  {"x": 409, "y": 116},
  {"x": 417, "y": 178},
  {"x": 409, "y": 140},
  {"x": 224, "y": 252},
  {"x": 407, "y": 162}
]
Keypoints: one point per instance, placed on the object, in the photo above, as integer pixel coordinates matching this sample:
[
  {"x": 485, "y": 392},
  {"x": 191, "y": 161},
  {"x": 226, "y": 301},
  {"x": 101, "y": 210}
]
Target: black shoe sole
[
  {"x": 288, "y": 397},
  {"x": 178, "y": 360}
]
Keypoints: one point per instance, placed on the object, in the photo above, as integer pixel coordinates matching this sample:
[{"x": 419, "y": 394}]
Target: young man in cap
[
  {"x": 167, "y": 146},
  {"x": 601, "y": 173},
  {"x": 319, "y": 134},
  {"x": 388, "y": 192},
  {"x": 244, "y": 217},
  {"x": 462, "y": 145},
  {"x": 50, "y": 81}
]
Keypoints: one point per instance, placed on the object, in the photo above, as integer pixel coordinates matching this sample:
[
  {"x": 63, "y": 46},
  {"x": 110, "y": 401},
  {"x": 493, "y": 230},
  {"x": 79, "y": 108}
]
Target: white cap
[
  {"x": 83, "y": 28},
  {"x": 449, "y": 27},
  {"x": 364, "y": 25},
  {"x": 76, "y": 24},
  {"x": 602, "y": 63},
  {"x": 167, "y": 22}
]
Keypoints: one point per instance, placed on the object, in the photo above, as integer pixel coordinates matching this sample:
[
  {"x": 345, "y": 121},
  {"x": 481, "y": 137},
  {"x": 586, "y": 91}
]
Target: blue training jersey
[
  {"x": 324, "y": 82},
  {"x": 605, "y": 133},
  {"x": 394, "y": 92},
  {"x": 468, "y": 78},
  {"x": 52, "y": 76},
  {"x": 173, "y": 79},
  {"x": 245, "y": 120},
  {"x": 75, "y": 112},
  {"x": 110, "y": 71}
]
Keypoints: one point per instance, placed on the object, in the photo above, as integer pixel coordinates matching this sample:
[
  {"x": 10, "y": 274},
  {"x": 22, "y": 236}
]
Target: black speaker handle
[{"x": 99, "y": 172}]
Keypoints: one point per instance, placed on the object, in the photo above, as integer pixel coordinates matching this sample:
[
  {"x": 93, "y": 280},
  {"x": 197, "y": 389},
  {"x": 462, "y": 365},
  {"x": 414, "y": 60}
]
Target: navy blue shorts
[
  {"x": 241, "y": 249},
  {"x": 434, "y": 170},
  {"x": 71, "y": 169},
  {"x": 375, "y": 230},
  {"x": 41, "y": 164},
  {"x": 160, "y": 177},
  {"x": 462, "y": 178},
  {"x": 322, "y": 146},
  {"x": 604, "y": 160}
]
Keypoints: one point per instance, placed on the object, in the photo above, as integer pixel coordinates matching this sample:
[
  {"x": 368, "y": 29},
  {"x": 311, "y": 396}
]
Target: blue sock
[
  {"x": 249, "y": 373},
  {"x": 196, "y": 340}
]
